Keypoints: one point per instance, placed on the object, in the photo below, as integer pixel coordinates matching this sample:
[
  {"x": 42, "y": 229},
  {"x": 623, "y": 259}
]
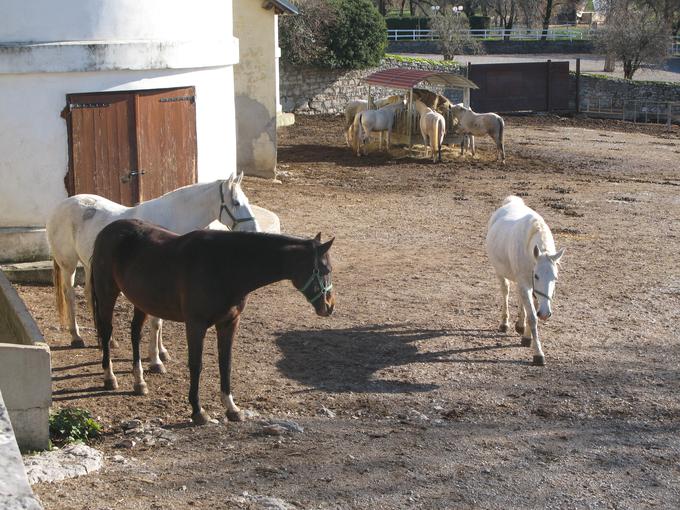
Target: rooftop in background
[
  {"x": 409, "y": 78},
  {"x": 280, "y": 6}
]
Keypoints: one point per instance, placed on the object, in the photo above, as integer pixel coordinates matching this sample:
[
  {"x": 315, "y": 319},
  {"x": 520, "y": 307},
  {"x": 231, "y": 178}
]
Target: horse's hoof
[
  {"x": 157, "y": 368},
  {"x": 111, "y": 384},
  {"x": 200, "y": 418},
  {"x": 77, "y": 343},
  {"x": 141, "y": 389},
  {"x": 519, "y": 328},
  {"x": 235, "y": 415},
  {"x": 526, "y": 342},
  {"x": 539, "y": 361},
  {"x": 113, "y": 344},
  {"x": 164, "y": 356},
  {"x": 503, "y": 328}
]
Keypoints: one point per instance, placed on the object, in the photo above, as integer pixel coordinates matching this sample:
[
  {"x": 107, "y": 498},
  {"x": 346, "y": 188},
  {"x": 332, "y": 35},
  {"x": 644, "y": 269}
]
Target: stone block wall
[
  {"x": 327, "y": 91},
  {"x": 498, "y": 47}
]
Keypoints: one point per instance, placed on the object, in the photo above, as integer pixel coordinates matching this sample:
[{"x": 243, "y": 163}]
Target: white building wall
[{"x": 50, "y": 49}]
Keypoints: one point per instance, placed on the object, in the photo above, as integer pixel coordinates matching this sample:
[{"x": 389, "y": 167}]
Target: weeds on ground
[{"x": 73, "y": 425}]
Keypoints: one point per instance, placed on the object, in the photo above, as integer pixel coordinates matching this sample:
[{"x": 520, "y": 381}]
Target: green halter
[{"x": 316, "y": 276}]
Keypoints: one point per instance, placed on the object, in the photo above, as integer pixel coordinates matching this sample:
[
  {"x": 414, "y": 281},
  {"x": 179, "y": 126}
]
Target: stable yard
[{"x": 408, "y": 395}]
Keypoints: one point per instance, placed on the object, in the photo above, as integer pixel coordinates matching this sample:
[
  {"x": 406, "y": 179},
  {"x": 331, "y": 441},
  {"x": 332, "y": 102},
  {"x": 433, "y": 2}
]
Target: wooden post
[
  {"x": 578, "y": 85},
  {"x": 466, "y": 91},
  {"x": 547, "y": 86},
  {"x": 409, "y": 122},
  {"x": 669, "y": 116}
]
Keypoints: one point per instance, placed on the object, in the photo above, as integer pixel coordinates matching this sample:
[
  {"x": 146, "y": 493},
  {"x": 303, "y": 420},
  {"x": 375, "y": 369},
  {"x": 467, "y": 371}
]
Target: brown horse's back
[{"x": 125, "y": 248}]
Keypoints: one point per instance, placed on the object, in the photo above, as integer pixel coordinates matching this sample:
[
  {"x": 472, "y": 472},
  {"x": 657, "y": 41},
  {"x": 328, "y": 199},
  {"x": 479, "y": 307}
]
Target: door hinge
[{"x": 191, "y": 99}]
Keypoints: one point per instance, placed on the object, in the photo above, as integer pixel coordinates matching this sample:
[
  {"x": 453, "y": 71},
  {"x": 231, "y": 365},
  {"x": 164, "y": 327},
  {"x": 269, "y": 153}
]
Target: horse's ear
[
  {"x": 317, "y": 238},
  {"x": 231, "y": 178},
  {"x": 556, "y": 258},
  {"x": 239, "y": 178},
  {"x": 537, "y": 251},
  {"x": 326, "y": 246}
]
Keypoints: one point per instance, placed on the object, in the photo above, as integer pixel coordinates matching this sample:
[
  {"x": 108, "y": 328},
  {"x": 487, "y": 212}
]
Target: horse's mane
[{"x": 540, "y": 227}]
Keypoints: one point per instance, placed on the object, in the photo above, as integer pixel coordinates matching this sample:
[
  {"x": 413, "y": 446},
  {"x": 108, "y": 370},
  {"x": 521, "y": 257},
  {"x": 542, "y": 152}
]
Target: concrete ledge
[
  {"x": 284, "y": 119},
  {"x": 36, "y": 273},
  {"x": 15, "y": 492},
  {"x": 25, "y": 371},
  {"x": 23, "y": 244}
]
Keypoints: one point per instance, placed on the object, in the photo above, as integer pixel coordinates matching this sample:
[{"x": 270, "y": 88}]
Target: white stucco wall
[
  {"x": 256, "y": 86},
  {"x": 50, "y": 49}
]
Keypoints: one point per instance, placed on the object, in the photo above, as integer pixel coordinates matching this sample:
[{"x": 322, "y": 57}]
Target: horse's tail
[
  {"x": 500, "y": 141},
  {"x": 59, "y": 294},
  {"x": 356, "y": 131},
  {"x": 436, "y": 146}
]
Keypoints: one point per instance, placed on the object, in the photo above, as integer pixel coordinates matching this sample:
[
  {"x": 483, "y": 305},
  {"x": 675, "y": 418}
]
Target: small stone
[
  {"x": 249, "y": 415},
  {"x": 126, "y": 443},
  {"x": 119, "y": 459},
  {"x": 327, "y": 412},
  {"x": 289, "y": 425},
  {"x": 417, "y": 415},
  {"x": 132, "y": 424},
  {"x": 273, "y": 430}
]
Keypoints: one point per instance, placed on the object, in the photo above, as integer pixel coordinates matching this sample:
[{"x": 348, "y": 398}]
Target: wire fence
[{"x": 633, "y": 110}]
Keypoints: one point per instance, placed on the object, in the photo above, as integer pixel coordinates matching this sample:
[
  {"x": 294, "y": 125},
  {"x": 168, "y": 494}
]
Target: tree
[
  {"x": 453, "y": 29},
  {"x": 333, "y": 34},
  {"x": 635, "y": 36}
]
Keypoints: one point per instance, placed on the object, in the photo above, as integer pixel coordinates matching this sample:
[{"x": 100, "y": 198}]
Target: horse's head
[
  {"x": 314, "y": 277},
  {"x": 544, "y": 280},
  {"x": 457, "y": 110},
  {"x": 235, "y": 210}
]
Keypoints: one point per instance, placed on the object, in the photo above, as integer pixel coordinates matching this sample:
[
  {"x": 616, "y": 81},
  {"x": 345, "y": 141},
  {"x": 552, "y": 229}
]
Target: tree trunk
[
  {"x": 546, "y": 19},
  {"x": 609, "y": 63},
  {"x": 628, "y": 70},
  {"x": 401, "y": 9}
]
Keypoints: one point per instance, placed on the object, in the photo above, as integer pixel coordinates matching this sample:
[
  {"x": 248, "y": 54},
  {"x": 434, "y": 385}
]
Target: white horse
[
  {"x": 380, "y": 120},
  {"x": 433, "y": 129},
  {"x": 360, "y": 105},
  {"x": 76, "y": 221},
  {"x": 478, "y": 124},
  {"x": 521, "y": 249}
]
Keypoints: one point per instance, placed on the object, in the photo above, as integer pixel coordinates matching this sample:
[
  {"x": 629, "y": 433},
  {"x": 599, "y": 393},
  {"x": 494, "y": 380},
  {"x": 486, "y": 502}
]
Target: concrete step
[{"x": 35, "y": 273}]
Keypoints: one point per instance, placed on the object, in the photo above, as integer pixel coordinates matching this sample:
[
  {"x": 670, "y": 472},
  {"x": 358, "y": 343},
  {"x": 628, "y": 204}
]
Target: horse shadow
[
  {"x": 349, "y": 360},
  {"x": 344, "y": 156}
]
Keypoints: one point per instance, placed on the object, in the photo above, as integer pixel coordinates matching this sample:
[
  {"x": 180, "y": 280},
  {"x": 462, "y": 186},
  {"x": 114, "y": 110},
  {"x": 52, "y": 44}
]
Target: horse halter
[
  {"x": 540, "y": 294},
  {"x": 234, "y": 219},
  {"x": 316, "y": 276}
]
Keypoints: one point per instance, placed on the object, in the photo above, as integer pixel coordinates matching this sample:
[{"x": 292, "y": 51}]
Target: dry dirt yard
[{"x": 408, "y": 395}]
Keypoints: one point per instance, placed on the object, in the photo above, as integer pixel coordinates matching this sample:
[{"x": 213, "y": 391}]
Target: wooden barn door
[
  {"x": 166, "y": 141},
  {"x": 131, "y": 146}
]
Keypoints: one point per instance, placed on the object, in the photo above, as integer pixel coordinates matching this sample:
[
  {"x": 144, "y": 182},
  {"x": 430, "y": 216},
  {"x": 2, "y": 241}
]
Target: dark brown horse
[{"x": 202, "y": 279}]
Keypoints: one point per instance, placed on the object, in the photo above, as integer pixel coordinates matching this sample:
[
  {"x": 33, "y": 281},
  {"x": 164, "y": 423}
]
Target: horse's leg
[
  {"x": 226, "y": 331},
  {"x": 539, "y": 358},
  {"x": 156, "y": 349},
  {"x": 520, "y": 324},
  {"x": 505, "y": 324},
  {"x": 138, "y": 319},
  {"x": 473, "y": 149},
  {"x": 67, "y": 274},
  {"x": 195, "y": 337},
  {"x": 113, "y": 343},
  {"x": 106, "y": 300}
]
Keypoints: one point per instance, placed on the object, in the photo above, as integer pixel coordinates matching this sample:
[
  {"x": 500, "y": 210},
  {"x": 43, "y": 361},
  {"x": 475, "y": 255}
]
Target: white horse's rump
[
  {"x": 478, "y": 124},
  {"x": 381, "y": 120},
  {"x": 76, "y": 221},
  {"x": 432, "y": 128},
  {"x": 521, "y": 249},
  {"x": 360, "y": 105}
]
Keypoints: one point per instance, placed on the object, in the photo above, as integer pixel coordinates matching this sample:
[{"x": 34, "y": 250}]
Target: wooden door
[
  {"x": 131, "y": 146},
  {"x": 101, "y": 148},
  {"x": 166, "y": 141}
]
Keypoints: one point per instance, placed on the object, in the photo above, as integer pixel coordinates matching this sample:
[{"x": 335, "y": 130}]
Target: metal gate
[{"x": 526, "y": 86}]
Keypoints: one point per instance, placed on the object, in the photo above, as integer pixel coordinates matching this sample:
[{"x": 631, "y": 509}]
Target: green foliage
[
  {"x": 72, "y": 425},
  {"x": 360, "y": 36},
  {"x": 333, "y": 34},
  {"x": 408, "y": 23}
]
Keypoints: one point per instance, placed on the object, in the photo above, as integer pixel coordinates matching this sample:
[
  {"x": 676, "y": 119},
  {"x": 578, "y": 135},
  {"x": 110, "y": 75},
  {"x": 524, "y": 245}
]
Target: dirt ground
[{"x": 433, "y": 407}]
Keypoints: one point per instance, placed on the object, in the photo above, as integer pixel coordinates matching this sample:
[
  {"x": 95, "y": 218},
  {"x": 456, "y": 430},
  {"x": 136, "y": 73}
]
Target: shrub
[
  {"x": 71, "y": 425},
  {"x": 333, "y": 34}
]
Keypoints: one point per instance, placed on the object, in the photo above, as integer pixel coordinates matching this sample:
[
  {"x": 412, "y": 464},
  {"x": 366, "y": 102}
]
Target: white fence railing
[
  {"x": 552, "y": 34},
  {"x": 494, "y": 34}
]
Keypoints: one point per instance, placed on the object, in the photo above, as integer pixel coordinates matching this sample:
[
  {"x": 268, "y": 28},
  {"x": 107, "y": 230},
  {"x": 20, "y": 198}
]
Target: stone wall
[
  {"x": 498, "y": 47},
  {"x": 616, "y": 90},
  {"x": 315, "y": 91}
]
